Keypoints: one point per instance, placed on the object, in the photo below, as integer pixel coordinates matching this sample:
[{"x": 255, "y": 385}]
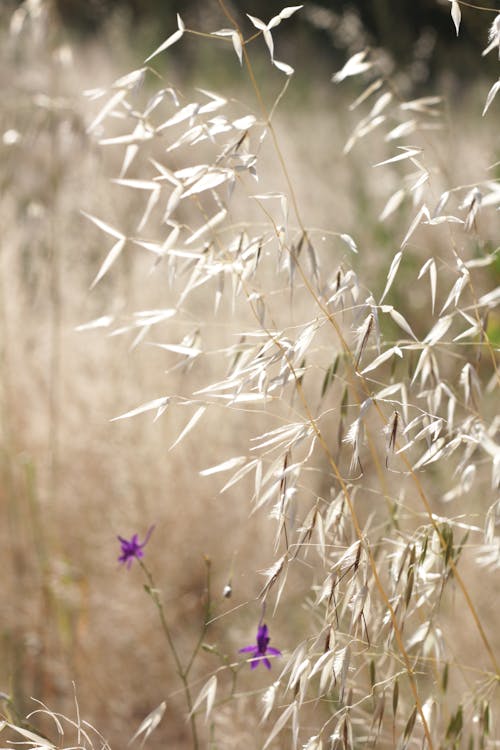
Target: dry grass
[{"x": 373, "y": 553}]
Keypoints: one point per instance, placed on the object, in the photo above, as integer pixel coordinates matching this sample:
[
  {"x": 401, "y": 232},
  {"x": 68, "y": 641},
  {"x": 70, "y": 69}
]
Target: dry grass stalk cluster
[{"x": 286, "y": 397}]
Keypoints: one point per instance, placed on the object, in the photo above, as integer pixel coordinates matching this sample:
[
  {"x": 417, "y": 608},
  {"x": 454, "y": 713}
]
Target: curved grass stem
[{"x": 355, "y": 370}]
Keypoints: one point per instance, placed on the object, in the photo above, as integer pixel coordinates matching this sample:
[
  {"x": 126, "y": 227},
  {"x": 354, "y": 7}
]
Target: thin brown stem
[
  {"x": 331, "y": 318},
  {"x": 477, "y": 7}
]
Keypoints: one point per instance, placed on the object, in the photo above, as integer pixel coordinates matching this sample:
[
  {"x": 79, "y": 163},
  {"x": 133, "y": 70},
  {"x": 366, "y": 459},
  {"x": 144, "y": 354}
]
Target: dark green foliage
[{"x": 406, "y": 29}]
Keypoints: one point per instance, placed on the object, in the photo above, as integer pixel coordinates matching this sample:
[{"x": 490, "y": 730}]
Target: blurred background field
[{"x": 71, "y": 479}]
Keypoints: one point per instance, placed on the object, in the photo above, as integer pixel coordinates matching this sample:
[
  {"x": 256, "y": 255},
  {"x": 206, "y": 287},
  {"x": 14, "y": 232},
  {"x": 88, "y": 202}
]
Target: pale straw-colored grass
[{"x": 324, "y": 385}]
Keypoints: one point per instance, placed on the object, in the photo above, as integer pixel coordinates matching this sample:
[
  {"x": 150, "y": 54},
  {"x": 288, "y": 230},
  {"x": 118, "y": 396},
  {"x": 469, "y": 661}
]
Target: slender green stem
[
  {"x": 206, "y": 618},
  {"x": 153, "y": 593}
]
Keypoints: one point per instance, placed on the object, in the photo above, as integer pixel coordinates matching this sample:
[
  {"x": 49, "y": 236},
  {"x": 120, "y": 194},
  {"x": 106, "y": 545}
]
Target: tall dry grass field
[{"x": 252, "y": 330}]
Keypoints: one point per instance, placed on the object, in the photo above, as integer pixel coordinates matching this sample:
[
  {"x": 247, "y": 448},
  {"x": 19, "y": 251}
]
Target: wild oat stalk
[
  {"x": 416, "y": 392},
  {"x": 376, "y": 457}
]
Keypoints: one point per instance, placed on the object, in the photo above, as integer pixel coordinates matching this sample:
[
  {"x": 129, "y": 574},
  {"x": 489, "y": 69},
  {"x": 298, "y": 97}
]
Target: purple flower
[
  {"x": 260, "y": 649},
  {"x": 132, "y": 548}
]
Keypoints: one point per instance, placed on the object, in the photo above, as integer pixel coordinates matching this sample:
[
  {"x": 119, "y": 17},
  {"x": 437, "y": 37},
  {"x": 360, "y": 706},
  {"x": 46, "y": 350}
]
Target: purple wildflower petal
[
  {"x": 262, "y": 634},
  {"x": 132, "y": 548},
  {"x": 260, "y": 649}
]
